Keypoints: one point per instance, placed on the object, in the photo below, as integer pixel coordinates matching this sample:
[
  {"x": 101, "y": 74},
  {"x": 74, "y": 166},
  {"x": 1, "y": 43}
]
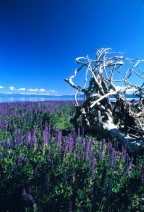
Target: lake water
[
  {"x": 35, "y": 98},
  {"x": 22, "y": 98}
]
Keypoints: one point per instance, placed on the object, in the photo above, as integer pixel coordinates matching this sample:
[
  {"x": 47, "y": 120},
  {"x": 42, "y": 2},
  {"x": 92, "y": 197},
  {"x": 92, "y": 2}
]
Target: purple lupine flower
[
  {"x": 1, "y": 155},
  {"x": 59, "y": 136},
  {"x": 128, "y": 165},
  {"x": 71, "y": 141},
  {"x": 75, "y": 142},
  {"x": 90, "y": 151},
  {"x": 48, "y": 155},
  {"x": 24, "y": 193},
  {"x": 20, "y": 159},
  {"x": 28, "y": 196},
  {"x": 6, "y": 125},
  {"x": 2, "y": 124},
  {"x": 48, "y": 181},
  {"x": 66, "y": 144},
  {"x": 53, "y": 163},
  {"x": 59, "y": 141},
  {"x": 19, "y": 138},
  {"x": 83, "y": 149},
  {"x": 127, "y": 158},
  {"x": 112, "y": 158},
  {"x": 123, "y": 153},
  {"x": 28, "y": 136},
  {"x": 34, "y": 138},
  {"x": 142, "y": 179},
  {"x": 83, "y": 130},
  {"x": 36, "y": 170},
  {"x": 64, "y": 177},
  {"x": 45, "y": 136},
  {"x": 110, "y": 147},
  {"x": 40, "y": 147},
  {"x": 70, "y": 206},
  {"x": 92, "y": 165},
  {"x": 86, "y": 149},
  {"x": 8, "y": 143}
]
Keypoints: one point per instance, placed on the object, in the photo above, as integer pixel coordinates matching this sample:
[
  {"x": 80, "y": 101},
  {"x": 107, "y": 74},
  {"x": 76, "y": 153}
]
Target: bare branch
[{"x": 120, "y": 119}]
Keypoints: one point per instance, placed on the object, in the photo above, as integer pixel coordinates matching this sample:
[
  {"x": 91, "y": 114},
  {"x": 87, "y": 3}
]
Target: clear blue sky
[{"x": 40, "y": 39}]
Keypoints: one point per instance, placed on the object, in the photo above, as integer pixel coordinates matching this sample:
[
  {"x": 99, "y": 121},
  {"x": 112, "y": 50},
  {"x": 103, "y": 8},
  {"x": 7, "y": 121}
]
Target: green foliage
[{"x": 61, "y": 119}]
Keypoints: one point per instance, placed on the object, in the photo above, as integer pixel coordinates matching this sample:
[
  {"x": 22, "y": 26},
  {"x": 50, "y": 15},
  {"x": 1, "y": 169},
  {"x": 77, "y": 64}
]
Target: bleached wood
[{"x": 118, "y": 120}]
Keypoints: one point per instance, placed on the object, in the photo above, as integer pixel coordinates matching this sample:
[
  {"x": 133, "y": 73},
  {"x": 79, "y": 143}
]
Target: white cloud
[
  {"x": 11, "y": 88},
  {"x": 1, "y": 86},
  {"x": 42, "y": 90},
  {"x": 52, "y": 91},
  {"x": 36, "y": 90},
  {"x": 21, "y": 89},
  {"x": 131, "y": 90},
  {"x": 33, "y": 90},
  {"x": 128, "y": 91}
]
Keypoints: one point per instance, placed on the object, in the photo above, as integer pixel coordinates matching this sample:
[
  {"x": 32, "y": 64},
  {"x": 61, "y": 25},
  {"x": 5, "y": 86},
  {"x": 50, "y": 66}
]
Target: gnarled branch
[{"x": 119, "y": 119}]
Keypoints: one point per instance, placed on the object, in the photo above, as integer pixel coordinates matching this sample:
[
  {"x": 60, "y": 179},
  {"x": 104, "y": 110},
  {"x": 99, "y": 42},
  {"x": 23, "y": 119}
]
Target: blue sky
[{"x": 40, "y": 39}]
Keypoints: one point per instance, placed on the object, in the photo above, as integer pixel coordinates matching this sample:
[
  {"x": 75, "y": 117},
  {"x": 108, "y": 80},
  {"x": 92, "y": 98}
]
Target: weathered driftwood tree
[{"x": 122, "y": 119}]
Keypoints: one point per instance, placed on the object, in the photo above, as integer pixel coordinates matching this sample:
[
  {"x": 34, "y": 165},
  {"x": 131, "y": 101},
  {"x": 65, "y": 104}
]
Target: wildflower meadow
[{"x": 48, "y": 166}]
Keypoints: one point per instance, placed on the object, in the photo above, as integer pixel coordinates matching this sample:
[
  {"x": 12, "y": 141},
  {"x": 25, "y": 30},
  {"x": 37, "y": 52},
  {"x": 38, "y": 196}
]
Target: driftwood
[{"x": 121, "y": 119}]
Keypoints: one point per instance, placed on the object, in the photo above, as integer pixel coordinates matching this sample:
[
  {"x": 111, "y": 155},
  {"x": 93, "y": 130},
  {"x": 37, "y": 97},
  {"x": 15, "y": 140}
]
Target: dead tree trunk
[{"x": 108, "y": 76}]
